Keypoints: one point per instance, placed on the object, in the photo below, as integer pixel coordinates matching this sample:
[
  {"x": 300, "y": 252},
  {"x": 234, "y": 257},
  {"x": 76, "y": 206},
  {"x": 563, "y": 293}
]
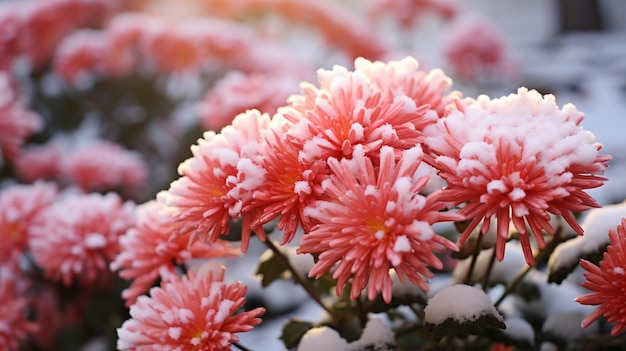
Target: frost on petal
[
  {"x": 519, "y": 158},
  {"x": 460, "y": 310}
]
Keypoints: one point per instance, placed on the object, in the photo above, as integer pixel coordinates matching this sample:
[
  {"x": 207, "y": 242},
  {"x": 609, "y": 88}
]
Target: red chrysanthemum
[
  {"x": 517, "y": 158},
  {"x": 19, "y": 206},
  {"x": 364, "y": 107},
  {"x": 218, "y": 180},
  {"x": 608, "y": 282},
  {"x": 148, "y": 253},
  {"x": 290, "y": 185},
  {"x": 195, "y": 312},
  {"x": 14, "y": 324},
  {"x": 76, "y": 238},
  {"x": 105, "y": 166},
  {"x": 17, "y": 122},
  {"x": 375, "y": 219}
]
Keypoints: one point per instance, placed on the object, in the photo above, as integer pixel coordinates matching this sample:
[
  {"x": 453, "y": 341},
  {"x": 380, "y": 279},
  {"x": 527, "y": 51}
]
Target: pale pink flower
[
  {"x": 404, "y": 77},
  {"x": 75, "y": 239},
  {"x": 238, "y": 92},
  {"x": 17, "y": 122},
  {"x": 409, "y": 12},
  {"x": 172, "y": 49},
  {"x": 105, "y": 166},
  {"x": 475, "y": 49},
  {"x": 218, "y": 180},
  {"x": 607, "y": 283},
  {"x": 350, "y": 109},
  {"x": 147, "y": 253},
  {"x": 19, "y": 207},
  {"x": 373, "y": 220},
  {"x": 518, "y": 158},
  {"x": 289, "y": 186},
  {"x": 195, "y": 312},
  {"x": 36, "y": 162},
  {"x": 79, "y": 56},
  {"x": 14, "y": 324}
]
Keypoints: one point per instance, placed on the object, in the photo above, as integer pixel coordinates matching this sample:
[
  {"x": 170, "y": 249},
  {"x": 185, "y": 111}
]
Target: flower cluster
[{"x": 362, "y": 185}]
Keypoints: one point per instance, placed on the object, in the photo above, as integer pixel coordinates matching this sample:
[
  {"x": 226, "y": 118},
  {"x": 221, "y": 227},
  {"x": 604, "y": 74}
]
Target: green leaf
[
  {"x": 270, "y": 269},
  {"x": 293, "y": 332}
]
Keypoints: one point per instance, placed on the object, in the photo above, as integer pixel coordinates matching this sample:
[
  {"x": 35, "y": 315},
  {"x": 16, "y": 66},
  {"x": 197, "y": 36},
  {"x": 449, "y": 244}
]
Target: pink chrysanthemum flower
[
  {"x": 14, "y": 324},
  {"x": 375, "y": 219},
  {"x": 475, "y": 49},
  {"x": 76, "y": 238},
  {"x": 36, "y": 162},
  {"x": 290, "y": 185},
  {"x": 238, "y": 92},
  {"x": 218, "y": 180},
  {"x": 607, "y": 282},
  {"x": 404, "y": 77},
  {"x": 19, "y": 207},
  {"x": 79, "y": 56},
  {"x": 17, "y": 122},
  {"x": 351, "y": 108},
  {"x": 517, "y": 158},
  {"x": 148, "y": 253},
  {"x": 195, "y": 312},
  {"x": 105, "y": 166}
]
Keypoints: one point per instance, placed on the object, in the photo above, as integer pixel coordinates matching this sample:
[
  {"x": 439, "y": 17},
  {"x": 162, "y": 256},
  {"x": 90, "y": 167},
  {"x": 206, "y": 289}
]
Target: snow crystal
[
  {"x": 402, "y": 244},
  {"x": 496, "y": 185},
  {"x": 174, "y": 332},
  {"x": 462, "y": 303},
  {"x": 95, "y": 241},
  {"x": 380, "y": 234},
  {"x": 618, "y": 270},
  {"x": 223, "y": 310},
  {"x": 322, "y": 338},
  {"x": 302, "y": 187}
]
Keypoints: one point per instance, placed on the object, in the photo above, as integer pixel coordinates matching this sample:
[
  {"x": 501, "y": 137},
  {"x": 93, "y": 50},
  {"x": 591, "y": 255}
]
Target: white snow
[
  {"x": 322, "y": 338},
  {"x": 462, "y": 303},
  {"x": 596, "y": 227},
  {"x": 519, "y": 329}
]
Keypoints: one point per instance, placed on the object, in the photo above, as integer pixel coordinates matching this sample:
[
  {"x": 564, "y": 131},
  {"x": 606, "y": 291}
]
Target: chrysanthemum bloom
[
  {"x": 375, "y": 219},
  {"x": 105, "y": 166},
  {"x": 36, "y": 162},
  {"x": 195, "y": 312},
  {"x": 238, "y": 92},
  {"x": 218, "y": 180},
  {"x": 475, "y": 49},
  {"x": 517, "y": 158},
  {"x": 607, "y": 282},
  {"x": 14, "y": 324},
  {"x": 19, "y": 206},
  {"x": 349, "y": 109},
  {"x": 404, "y": 77},
  {"x": 17, "y": 122},
  {"x": 79, "y": 57},
  {"x": 172, "y": 49},
  {"x": 148, "y": 253},
  {"x": 290, "y": 185},
  {"x": 76, "y": 238}
]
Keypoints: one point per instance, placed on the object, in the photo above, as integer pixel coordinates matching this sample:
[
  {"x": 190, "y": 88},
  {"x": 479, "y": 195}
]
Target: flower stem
[
  {"x": 468, "y": 276},
  {"x": 492, "y": 260},
  {"x": 296, "y": 276},
  {"x": 539, "y": 257}
]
